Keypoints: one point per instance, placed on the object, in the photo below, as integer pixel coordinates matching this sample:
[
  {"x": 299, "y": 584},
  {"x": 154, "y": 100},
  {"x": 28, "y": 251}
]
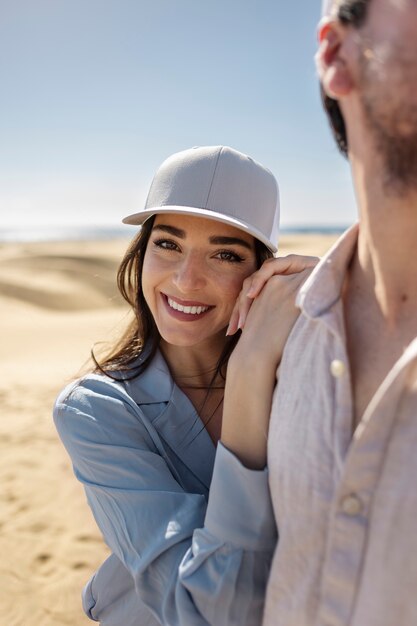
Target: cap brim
[{"x": 141, "y": 217}]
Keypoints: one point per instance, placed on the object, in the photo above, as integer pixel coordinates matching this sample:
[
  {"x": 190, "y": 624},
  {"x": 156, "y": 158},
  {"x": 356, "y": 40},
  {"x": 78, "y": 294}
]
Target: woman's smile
[{"x": 187, "y": 311}]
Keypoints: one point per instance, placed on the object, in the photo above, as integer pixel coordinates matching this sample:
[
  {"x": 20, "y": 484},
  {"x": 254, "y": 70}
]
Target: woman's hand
[
  {"x": 253, "y": 285},
  {"x": 251, "y": 371}
]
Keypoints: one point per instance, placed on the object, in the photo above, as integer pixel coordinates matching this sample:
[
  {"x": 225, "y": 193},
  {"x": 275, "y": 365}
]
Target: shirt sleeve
[{"x": 192, "y": 563}]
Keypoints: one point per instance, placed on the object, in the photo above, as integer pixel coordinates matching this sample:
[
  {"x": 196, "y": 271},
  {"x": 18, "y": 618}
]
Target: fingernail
[
  {"x": 240, "y": 323},
  {"x": 251, "y": 292},
  {"x": 228, "y": 330}
]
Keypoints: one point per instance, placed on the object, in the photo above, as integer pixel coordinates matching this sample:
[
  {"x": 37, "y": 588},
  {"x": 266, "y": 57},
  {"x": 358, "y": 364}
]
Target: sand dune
[
  {"x": 62, "y": 282},
  {"x": 56, "y": 301}
]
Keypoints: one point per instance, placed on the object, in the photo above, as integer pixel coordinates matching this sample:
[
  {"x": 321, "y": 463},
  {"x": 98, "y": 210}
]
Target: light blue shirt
[{"x": 180, "y": 556}]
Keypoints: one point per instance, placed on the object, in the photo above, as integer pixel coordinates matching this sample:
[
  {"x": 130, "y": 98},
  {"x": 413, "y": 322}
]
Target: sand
[{"x": 56, "y": 301}]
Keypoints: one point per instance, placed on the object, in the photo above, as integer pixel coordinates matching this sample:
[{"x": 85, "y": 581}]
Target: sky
[{"x": 95, "y": 94}]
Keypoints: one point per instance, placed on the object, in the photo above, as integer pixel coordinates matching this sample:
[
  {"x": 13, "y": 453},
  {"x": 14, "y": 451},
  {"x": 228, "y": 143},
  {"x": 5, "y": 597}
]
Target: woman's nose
[{"x": 190, "y": 274}]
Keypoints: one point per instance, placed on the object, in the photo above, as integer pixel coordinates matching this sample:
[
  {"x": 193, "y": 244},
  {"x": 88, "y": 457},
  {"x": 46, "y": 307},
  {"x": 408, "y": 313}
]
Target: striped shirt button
[
  {"x": 351, "y": 505},
  {"x": 337, "y": 368}
]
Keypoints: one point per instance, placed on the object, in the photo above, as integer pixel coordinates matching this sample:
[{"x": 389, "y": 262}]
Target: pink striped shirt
[{"x": 346, "y": 508}]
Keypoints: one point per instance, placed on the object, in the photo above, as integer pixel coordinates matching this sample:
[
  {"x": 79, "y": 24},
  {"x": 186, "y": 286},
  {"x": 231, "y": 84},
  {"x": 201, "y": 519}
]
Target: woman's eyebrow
[
  {"x": 177, "y": 232},
  {"x": 217, "y": 240},
  {"x": 230, "y": 241}
]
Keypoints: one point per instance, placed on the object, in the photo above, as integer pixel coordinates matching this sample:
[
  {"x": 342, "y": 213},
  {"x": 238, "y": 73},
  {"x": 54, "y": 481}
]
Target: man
[{"x": 342, "y": 451}]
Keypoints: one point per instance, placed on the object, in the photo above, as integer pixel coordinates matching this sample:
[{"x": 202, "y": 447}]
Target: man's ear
[{"x": 331, "y": 63}]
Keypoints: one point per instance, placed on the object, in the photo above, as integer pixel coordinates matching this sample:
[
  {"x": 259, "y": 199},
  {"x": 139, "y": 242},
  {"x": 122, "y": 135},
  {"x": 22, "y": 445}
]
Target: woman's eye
[
  {"x": 227, "y": 255},
  {"x": 166, "y": 244}
]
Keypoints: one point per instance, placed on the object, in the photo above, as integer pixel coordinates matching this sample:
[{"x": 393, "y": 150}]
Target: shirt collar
[
  {"x": 324, "y": 285},
  {"x": 154, "y": 385},
  {"x": 174, "y": 417}
]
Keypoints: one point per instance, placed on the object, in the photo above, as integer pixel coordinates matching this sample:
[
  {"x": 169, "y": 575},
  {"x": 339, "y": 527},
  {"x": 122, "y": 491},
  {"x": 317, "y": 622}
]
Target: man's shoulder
[{"x": 324, "y": 285}]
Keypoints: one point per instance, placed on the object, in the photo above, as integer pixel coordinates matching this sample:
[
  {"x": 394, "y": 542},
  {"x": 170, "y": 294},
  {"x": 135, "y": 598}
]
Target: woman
[{"x": 143, "y": 429}]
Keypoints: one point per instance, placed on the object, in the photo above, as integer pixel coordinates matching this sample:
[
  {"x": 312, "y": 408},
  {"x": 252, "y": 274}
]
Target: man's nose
[{"x": 190, "y": 274}]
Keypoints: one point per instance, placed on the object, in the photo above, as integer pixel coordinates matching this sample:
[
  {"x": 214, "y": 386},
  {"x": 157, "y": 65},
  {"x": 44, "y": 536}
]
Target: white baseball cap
[{"x": 219, "y": 183}]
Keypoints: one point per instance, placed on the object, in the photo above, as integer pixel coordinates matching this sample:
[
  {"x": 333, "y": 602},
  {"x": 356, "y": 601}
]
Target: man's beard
[{"x": 391, "y": 115}]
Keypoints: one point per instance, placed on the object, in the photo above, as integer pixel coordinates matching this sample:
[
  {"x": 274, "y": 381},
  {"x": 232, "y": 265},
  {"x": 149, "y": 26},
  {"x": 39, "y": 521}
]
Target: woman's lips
[{"x": 185, "y": 310}]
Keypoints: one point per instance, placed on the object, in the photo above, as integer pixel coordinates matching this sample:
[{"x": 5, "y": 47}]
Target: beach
[{"x": 57, "y": 300}]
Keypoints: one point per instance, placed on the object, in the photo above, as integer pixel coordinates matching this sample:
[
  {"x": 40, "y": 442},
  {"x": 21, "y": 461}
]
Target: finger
[
  {"x": 244, "y": 307},
  {"x": 300, "y": 277},
  {"x": 295, "y": 281},
  {"x": 291, "y": 264},
  {"x": 234, "y": 318},
  {"x": 234, "y": 321}
]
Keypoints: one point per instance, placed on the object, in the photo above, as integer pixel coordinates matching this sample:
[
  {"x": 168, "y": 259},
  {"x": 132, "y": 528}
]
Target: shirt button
[
  {"x": 351, "y": 505},
  {"x": 337, "y": 368}
]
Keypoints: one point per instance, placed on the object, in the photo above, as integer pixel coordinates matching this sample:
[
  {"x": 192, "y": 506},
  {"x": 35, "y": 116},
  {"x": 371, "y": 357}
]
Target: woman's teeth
[{"x": 190, "y": 310}]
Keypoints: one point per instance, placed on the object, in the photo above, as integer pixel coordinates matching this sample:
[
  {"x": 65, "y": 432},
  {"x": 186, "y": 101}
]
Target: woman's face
[{"x": 193, "y": 271}]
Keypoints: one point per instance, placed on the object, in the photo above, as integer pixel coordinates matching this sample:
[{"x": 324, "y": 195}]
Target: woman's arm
[
  {"x": 266, "y": 312},
  {"x": 192, "y": 563}
]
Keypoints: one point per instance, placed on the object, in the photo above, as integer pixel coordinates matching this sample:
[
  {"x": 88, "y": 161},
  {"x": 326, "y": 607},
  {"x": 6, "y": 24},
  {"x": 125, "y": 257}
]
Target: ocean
[{"x": 89, "y": 233}]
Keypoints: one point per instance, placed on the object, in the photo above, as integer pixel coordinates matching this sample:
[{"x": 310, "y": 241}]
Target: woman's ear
[{"x": 331, "y": 62}]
